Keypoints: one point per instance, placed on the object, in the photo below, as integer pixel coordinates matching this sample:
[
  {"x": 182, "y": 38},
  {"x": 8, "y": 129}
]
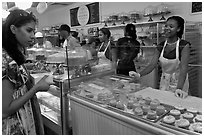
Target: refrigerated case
[{"x": 193, "y": 34}]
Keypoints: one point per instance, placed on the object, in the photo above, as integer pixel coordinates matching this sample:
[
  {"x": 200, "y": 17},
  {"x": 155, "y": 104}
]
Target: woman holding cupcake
[{"x": 173, "y": 56}]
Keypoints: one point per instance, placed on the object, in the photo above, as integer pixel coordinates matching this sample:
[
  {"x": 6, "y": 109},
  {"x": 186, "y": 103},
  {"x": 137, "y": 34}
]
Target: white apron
[
  {"x": 101, "y": 55},
  {"x": 170, "y": 71}
]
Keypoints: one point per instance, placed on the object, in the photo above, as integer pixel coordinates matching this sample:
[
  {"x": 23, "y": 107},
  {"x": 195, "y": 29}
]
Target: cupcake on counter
[
  {"x": 135, "y": 105},
  {"x": 180, "y": 108},
  {"x": 192, "y": 110},
  {"x": 120, "y": 105},
  {"x": 152, "y": 115},
  {"x": 138, "y": 111},
  {"x": 169, "y": 120},
  {"x": 113, "y": 103},
  {"x": 198, "y": 118},
  {"x": 176, "y": 113},
  {"x": 148, "y": 100},
  {"x": 196, "y": 127},
  {"x": 189, "y": 116},
  {"x": 130, "y": 104},
  {"x": 146, "y": 109},
  {"x": 154, "y": 103},
  {"x": 160, "y": 110},
  {"x": 142, "y": 102},
  {"x": 182, "y": 123}
]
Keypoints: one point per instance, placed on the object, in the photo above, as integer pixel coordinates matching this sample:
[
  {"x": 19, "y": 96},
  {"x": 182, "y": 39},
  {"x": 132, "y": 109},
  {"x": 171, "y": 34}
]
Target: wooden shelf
[{"x": 140, "y": 23}]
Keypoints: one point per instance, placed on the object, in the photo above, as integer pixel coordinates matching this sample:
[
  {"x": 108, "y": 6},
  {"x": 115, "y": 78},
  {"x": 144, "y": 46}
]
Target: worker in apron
[
  {"x": 170, "y": 72},
  {"x": 174, "y": 66},
  {"x": 102, "y": 54}
]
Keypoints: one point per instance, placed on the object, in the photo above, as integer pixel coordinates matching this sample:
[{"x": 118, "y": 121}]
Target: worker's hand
[
  {"x": 181, "y": 94},
  {"x": 135, "y": 76}
]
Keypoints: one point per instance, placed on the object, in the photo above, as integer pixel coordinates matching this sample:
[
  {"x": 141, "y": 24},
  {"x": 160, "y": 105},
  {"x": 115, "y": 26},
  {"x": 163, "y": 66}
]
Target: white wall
[{"x": 62, "y": 15}]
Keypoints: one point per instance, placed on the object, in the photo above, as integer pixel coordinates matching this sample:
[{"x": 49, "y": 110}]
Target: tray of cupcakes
[
  {"x": 188, "y": 120},
  {"x": 146, "y": 109}
]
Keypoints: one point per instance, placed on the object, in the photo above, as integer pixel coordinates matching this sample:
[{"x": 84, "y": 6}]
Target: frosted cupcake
[
  {"x": 192, "y": 110},
  {"x": 169, "y": 120},
  {"x": 130, "y": 104},
  {"x": 182, "y": 123},
  {"x": 196, "y": 127},
  {"x": 198, "y": 118},
  {"x": 120, "y": 105},
  {"x": 146, "y": 109},
  {"x": 160, "y": 110},
  {"x": 176, "y": 113},
  {"x": 138, "y": 111},
  {"x": 113, "y": 103},
  {"x": 180, "y": 108},
  {"x": 142, "y": 102},
  {"x": 154, "y": 103},
  {"x": 151, "y": 115},
  {"x": 188, "y": 116},
  {"x": 136, "y": 105},
  {"x": 148, "y": 100}
]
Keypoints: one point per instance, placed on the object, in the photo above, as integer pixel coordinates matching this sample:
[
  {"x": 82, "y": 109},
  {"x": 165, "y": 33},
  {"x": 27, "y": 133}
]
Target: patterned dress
[{"x": 22, "y": 121}]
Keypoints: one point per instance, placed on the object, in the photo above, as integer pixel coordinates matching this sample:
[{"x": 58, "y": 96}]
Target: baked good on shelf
[
  {"x": 154, "y": 103},
  {"x": 148, "y": 100},
  {"x": 160, "y": 110},
  {"x": 136, "y": 105},
  {"x": 142, "y": 102},
  {"x": 120, "y": 105},
  {"x": 138, "y": 111},
  {"x": 169, "y": 119},
  {"x": 198, "y": 118},
  {"x": 180, "y": 108},
  {"x": 176, "y": 113},
  {"x": 146, "y": 109},
  {"x": 192, "y": 110},
  {"x": 189, "y": 116},
  {"x": 113, "y": 103},
  {"x": 196, "y": 127},
  {"x": 182, "y": 123},
  {"x": 139, "y": 97},
  {"x": 130, "y": 104},
  {"x": 151, "y": 115}
]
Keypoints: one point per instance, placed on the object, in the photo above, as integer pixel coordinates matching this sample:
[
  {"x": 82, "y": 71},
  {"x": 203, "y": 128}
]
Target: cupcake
[
  {"x": 154, "y": 103},
  {"x": 148, "y": 100},
  {"x": 138, "y": 111},
  {"x": 169, "y": 120},
  {"x": 120, "y": 105},
  {"x": 160, "y": 110},
  {"x": 152, "y": 115},
  {"x": 146, "y": 109},
  {"x": 176, "y": 113},
  {"x": 90, "y": 95},
  {"x": 198, "y": 118},
  {"x": 113, "y": 103},
  {"x": 142, "y": 102},
  {"x": 136, "y": 105},
  {"x": 182, "y": 123},
  {"x": 180, "y": 108},
  {"x": 196, "y": 127},
  {"x": 139, "y": 97},
  {"x": 188, "y": 116},
  {"x": 192, "y": 110},
  {"x": 130, "y": 104}
]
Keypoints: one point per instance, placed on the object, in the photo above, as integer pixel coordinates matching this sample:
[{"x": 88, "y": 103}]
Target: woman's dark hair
[
  {"x": 180, "y": 21},
  {"x": 130, "y": 31},
  {"x": 106, "y": 31},
  {"x": 17, "y": 18}
]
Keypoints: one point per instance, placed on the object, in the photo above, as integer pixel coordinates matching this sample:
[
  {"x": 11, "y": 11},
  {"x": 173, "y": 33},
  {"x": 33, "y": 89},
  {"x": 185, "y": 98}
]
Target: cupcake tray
[
  {"x": 130, "y": 113},
  {"x": 187, "y": 130}
]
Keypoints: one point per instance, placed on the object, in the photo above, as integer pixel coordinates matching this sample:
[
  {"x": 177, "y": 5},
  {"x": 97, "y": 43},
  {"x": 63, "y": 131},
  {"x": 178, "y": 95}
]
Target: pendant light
[
  {"x": 42, "y": 6},
  {"x": 23, "y": 5}
]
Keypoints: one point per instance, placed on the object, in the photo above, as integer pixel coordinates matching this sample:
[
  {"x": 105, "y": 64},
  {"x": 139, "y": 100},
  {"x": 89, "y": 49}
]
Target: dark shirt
[
  {"x": 172, "y": 54},
  {"x": 127, "y": 48}
]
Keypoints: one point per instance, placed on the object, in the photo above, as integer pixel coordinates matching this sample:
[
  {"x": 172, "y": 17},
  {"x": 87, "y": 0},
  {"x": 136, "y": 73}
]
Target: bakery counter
[{"x": 92, "y": 105}]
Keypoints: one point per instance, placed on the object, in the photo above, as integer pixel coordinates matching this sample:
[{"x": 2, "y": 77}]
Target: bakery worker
[
  {"x": 173, "y": 56},
  {"x": 105, "y": 49},
  {"x": 70, "y": 41},
  {"x": 41, "y": 41},
  {"x": 126, "y": 50}
]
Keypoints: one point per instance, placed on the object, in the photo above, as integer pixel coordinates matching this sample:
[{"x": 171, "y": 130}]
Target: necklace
[{"x": 171, "y": 43}]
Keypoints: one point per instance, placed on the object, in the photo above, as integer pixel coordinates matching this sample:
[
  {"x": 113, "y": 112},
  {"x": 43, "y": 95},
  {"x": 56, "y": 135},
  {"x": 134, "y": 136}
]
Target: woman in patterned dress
[{"x": 20, "y": 109}]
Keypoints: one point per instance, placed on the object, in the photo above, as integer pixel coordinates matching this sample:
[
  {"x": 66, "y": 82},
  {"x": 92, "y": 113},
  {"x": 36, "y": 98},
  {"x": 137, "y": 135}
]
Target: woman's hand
[
  {"x": 181, "y": 94},
  {"x": 135, "y": 76},
  {"x": 44, "y": 83}
]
